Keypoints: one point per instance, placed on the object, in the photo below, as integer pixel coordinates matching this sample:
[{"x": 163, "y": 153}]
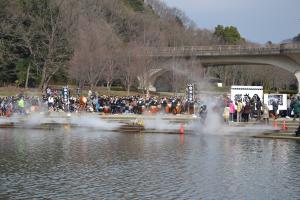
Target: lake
[{"x": 85, "y": 164}]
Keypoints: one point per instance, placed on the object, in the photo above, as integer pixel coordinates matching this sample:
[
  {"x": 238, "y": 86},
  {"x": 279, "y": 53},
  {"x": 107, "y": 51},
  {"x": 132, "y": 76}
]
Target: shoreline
[
  {"x": 130, "y": 123},
  {"x": 280, "y": 135}
]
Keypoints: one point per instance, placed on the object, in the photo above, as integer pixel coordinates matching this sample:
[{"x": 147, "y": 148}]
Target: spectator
[
  {"x": 50, "y": 102},
  {"x": 288, "y": 114},
  {"x": 275, "y": 108},
  {"x": 258, "y": 109},
  {"x": 297, "y": 108},
  {"x": 246, "y": 112},
  {"x": 239, "y": 109},
  {"x": 265, "y": 115},
  {"x": 226, "y": 114},
  {"x": 21, "y": 105},
  {"x": 231, "y": 111}
]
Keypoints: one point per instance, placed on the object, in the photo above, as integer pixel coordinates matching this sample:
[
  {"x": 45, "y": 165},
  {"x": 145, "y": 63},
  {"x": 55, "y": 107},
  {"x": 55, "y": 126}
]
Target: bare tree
[
  {"x": 56, "y": 43},
  {"x": 112, "y": 62},
  {"x": 148, "y": 42},
  {"x": 129, "y": 68},
  {"x": 90, "y": 53}
]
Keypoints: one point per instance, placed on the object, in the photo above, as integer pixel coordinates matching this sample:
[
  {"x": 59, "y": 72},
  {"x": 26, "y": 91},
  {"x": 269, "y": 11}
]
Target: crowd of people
[
  {"x": 56, "y": 101},
  {"x": 254, "y": 108},
  {"x": 251, "y": 108}
]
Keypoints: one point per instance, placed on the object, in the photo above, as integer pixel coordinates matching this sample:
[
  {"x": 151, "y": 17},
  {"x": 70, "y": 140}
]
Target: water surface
[{"x": 79, "y": 164}]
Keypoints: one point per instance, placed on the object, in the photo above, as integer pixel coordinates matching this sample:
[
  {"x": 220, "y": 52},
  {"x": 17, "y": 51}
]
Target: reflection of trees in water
[
  {"x": 102, "y": 149},
  {"x": 33, "y": 149}
]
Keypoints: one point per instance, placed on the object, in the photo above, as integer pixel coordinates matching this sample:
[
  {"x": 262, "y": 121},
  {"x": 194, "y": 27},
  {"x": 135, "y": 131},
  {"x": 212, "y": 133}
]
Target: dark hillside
[{"x": 94, "y": 42}]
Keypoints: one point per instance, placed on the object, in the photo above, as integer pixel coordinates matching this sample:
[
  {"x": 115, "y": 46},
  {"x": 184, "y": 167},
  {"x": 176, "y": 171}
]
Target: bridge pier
[
  {"x": 297, "y": 74},
  {"x": 147, "y": 85},
  {"x": 147, "y": 81},
  {"x": 151, "y": 88}
]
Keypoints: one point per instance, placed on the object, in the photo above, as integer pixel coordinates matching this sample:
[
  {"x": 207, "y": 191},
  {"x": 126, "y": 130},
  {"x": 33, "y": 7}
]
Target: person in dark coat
[
  {"x": 297, "y": 132},
  {"x": 297, "y": 108},
  {"x": 258, "y": 108},
  {"x": 292, "y": 106},
  {"x": 275, "y": 108},
  {"x": 246, "y": 112}
]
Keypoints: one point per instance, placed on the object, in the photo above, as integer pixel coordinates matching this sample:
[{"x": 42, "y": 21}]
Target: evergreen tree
[
  {"x": 137, "y": 5},
  {"x": 297, "y": 38},
  {"x": 33, "y": 41},
  {"x": 228, "y": 34}
]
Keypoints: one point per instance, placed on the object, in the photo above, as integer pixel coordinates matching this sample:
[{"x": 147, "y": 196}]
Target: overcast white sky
[{"x": 256, "y": 20}]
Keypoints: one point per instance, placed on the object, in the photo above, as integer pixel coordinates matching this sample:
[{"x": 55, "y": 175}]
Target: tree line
[{"x": 95, "y": 42}]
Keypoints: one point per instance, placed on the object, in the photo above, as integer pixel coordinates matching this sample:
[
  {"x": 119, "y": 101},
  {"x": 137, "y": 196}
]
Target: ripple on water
[{"x": 93, "y": 165}]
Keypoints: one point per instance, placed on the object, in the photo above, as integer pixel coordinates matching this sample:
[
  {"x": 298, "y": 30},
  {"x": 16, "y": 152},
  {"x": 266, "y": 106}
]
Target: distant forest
[{"x": 96, "y": 42}]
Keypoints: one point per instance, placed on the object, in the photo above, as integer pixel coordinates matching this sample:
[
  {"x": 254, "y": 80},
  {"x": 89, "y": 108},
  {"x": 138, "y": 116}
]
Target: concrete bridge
[{"x": 285, "y": 56}]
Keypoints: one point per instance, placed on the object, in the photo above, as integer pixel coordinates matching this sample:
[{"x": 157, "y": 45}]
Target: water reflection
[{"x": 80, "y": 164}]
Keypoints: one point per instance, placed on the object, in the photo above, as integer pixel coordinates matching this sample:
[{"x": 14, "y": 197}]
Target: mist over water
[
  {"x": 36, "y": 119},
  {"x": 160, "y": 124},
  {"x": 76, "y": 120},
  {"x": 93, "y": 121},
  {"x": 214, "y": 123}
]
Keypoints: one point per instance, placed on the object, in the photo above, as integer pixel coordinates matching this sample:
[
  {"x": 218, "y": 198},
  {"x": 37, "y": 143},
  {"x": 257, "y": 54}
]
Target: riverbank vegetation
[{"x": 108, "y": 42}]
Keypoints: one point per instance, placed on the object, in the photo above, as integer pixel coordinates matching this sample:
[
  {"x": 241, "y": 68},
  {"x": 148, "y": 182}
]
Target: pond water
[{"x": 80, "y": 164}]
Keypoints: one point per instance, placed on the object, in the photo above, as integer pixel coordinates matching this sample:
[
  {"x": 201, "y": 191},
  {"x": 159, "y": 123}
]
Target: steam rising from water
[
  {"x": 76, "y": 120},
  {"x": 160, "y": 124},
  {"x": 214, "y": 124},
  {"x": 93, "y": 121}
]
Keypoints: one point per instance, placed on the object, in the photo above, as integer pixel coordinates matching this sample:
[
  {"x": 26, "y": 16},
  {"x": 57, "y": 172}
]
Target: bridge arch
[
  {"x": 285, "y": 56},
  {"x": 283, "y": 62}
]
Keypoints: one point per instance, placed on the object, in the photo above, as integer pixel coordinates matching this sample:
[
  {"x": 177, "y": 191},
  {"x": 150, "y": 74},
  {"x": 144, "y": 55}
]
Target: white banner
[
  {"x": 245, "y": 92},
  {"x": 280, "y": 98}
]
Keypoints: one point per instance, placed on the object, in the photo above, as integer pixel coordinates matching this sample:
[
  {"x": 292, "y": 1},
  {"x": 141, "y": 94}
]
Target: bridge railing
[
  {"x": 290, "y": 46},
  {"x": 225, "y": 50},
  {"x": 219, "y": 50}
]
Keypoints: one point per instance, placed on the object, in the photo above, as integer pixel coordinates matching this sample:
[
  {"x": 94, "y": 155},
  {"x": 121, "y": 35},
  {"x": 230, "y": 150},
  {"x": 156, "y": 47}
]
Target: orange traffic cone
[
  {"x": 181, "y": 129},
  {"x": 284, "y": 126},
  {"x": 275, "y": 124}
]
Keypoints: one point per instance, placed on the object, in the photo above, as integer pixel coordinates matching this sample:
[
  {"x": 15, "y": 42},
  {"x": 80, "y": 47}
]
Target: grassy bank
[
  {"x": 115, "y": 91},
  {"x": 13, "y": 91}
]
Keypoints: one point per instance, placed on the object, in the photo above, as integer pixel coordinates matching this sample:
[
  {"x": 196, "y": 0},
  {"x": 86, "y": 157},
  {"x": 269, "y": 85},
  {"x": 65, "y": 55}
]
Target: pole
[{"x": 194, "y": 108}]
